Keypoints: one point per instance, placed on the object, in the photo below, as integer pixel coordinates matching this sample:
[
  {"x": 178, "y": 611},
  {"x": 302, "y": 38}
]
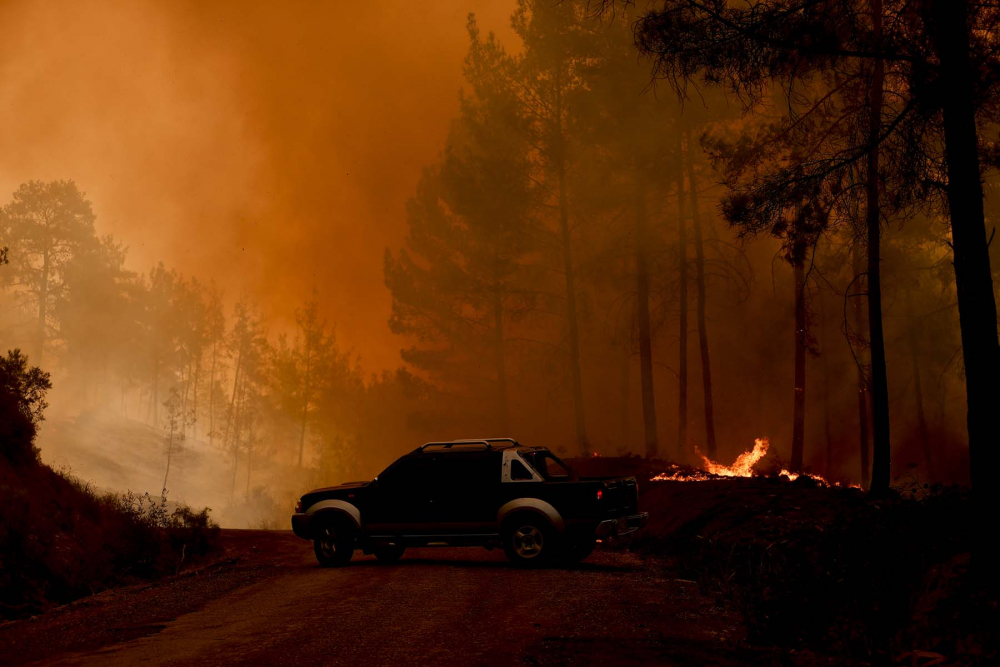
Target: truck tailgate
[{"x": 621, "y": 496}]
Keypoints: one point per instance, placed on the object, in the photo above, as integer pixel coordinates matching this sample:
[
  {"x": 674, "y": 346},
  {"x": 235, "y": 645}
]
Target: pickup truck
[{"x": 489, "y": 493}]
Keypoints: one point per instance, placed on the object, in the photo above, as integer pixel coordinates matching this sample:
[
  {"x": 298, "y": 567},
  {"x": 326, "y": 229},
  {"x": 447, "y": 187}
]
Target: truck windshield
[{"x": 549, "y": 466}]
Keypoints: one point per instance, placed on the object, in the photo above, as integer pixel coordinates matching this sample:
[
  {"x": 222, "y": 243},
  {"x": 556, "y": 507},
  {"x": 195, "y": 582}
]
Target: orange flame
[{"x": 742, "y": 467}]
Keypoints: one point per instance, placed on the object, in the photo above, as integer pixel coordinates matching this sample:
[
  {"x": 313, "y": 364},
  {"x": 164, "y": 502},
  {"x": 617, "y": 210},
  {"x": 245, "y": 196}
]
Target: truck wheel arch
[
  {"x": 535, "y": 506},
  {"x": 338, "y": 508}
]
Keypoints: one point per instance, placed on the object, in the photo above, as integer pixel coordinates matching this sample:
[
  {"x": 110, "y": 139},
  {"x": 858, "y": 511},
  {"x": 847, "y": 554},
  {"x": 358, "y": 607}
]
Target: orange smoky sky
[{"x": 267, "y": 146}]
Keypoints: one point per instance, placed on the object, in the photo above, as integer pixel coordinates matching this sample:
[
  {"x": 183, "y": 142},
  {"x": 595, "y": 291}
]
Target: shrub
[{"x": 60, "y": 541}]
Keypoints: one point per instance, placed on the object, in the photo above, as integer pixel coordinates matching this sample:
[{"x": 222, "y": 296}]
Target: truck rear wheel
[
  {"x": 334, "y": 544},
  {"x": 528, "y": 541}
]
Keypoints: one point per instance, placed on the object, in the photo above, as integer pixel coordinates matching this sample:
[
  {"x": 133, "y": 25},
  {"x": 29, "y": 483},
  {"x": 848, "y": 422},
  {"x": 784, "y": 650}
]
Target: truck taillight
[{"x": 599, "y": 494}]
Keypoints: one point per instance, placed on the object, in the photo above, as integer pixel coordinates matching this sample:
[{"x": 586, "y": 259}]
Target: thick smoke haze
[
  {"x": 352, "y": 230},
  {"x": 256, "y": 144}
]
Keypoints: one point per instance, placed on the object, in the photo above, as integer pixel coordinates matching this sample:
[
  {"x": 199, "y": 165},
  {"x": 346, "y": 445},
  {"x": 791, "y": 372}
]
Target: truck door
[
  {"x": 466, "y": 492},
  {"x": 401, "y": 502}
]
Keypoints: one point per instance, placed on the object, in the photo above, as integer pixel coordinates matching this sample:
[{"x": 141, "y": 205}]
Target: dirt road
[{"x": 268, "y": 603}]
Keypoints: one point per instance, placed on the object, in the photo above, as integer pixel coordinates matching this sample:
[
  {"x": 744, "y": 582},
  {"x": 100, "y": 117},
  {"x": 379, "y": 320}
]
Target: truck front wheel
[
  {"x": 333, "y": 544},
  {"x": 528, "y": 541}
]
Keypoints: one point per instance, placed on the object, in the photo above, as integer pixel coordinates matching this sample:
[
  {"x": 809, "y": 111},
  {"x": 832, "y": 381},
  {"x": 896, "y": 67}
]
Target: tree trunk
[
  {"x": 43, "y": 300},
  {"x": 249, "y": 455},
  {"x": 154, "y": 398},
  {"x": 977, "y": 309},
  {"x": 306, "y": 389},
  {"x": 699, "y": 263},
  {"x": 567, "y": 252},
  {"x": 642, "y": 310},
  {"x": 240, "y": 413},
  {"x": 682, "y": 344},
  {"x": 498, "y": 345},
  {"x": 194, "y": 407},
  {"x": 232, "y": 399},
  {"x": 211, "y": 395},
  {"x": 918, "y": 392},
  {"x": 186, "y": 383},
  {"x": 881, "y": 452},
  {"x": 799, "y": 405},
  {"x": 170, "y": 451},
  {"x": 859, "y": 326},
  {"x": 827, "y": 430}
]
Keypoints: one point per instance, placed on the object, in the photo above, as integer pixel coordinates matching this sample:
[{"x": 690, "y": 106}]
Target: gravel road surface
[{"x": 267, "y": 602}]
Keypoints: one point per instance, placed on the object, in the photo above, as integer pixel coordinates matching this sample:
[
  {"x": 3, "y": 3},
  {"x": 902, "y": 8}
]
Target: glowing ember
[{"x": 674, "y": 474}]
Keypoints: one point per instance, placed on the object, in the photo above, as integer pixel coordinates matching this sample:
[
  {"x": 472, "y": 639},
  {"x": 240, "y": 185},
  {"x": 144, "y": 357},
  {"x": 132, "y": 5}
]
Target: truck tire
[
  {"x": 388, "y": 553},
  {"x": 529, "y": 541},
  {"x": 334, "y": 544}
]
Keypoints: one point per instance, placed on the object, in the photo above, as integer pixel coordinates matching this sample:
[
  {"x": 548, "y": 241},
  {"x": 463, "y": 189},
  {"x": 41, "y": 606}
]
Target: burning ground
[{"x": 744, "y": 466}]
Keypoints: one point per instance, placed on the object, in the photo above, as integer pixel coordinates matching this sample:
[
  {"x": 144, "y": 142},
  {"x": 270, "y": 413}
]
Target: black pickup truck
[{"x": 487, "y": 493}]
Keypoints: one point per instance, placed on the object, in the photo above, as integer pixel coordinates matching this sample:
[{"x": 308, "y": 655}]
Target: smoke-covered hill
[{"x": 114, "y": 453}]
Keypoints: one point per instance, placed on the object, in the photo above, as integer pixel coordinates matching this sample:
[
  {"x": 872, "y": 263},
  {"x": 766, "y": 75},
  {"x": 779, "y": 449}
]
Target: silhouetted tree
[
  {"x": 22, "y": 406},
  {"x": 625, "y": 141},
  {"x": 215, "y": 331},
  {"x": 701, "y": 287},
  {"x": 460, "y": 281},
  {"x": 46, "y": 224},
  {"x": 247, "y": 346},
  {"x": 313, "y": 350},
  {"x": 161, "y": 331},
  {"x": 175, "y": 422},
  {"x": 98, "y": 320},
  {"x": 192, "y": 339},
  {"x": 545, "y": 78}
]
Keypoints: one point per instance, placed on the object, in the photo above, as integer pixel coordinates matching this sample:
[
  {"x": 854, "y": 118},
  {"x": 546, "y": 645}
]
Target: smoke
[{"x": 270, "y": 147}]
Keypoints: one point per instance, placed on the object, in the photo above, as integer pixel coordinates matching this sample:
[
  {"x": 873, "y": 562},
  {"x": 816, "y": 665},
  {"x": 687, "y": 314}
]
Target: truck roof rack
[
  {"x": 507, "y": 440},
  {"x": 453, "y": 443},
  {"x": 485, "y": 442}
]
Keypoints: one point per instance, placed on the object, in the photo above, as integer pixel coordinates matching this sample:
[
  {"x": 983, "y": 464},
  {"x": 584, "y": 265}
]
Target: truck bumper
[
  {"x": 300, "y": 526},
  {"x": 622, "y": 525}
]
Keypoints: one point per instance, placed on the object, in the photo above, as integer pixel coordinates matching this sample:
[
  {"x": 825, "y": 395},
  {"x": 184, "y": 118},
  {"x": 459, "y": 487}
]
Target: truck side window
[
  {"x": 518, "y": 471},
  {"x": 548, "y": 466},
  {"x": 551, "y": 467},
  {"x": 407, "y": 474}
]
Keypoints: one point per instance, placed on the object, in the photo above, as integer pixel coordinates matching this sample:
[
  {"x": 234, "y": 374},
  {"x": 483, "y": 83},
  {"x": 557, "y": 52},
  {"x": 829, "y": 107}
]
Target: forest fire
[{"x": 742, "y": 467}]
